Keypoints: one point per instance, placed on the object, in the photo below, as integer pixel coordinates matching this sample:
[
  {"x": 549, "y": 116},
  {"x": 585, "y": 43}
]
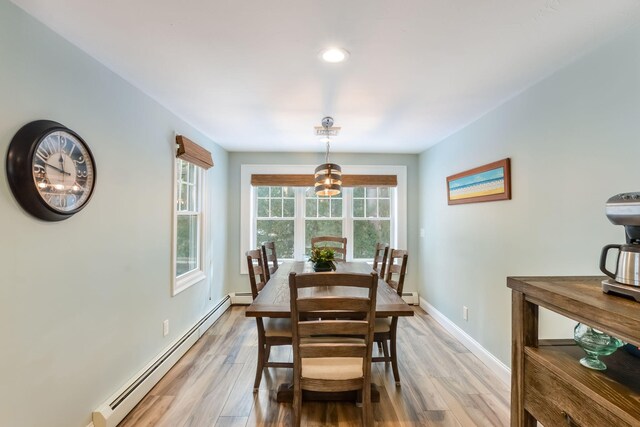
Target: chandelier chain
[
  {"x": 326, "y": 123},
  {"x": 327, "y": 155}
]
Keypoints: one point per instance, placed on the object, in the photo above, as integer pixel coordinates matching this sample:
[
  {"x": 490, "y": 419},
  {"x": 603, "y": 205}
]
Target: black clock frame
[{"x": 19, "y": 168}]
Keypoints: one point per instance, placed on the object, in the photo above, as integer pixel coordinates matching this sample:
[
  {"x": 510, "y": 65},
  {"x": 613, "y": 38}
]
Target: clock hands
[
  {"x": 58, "y": 169},
  {"x": 61, "y": 160}
]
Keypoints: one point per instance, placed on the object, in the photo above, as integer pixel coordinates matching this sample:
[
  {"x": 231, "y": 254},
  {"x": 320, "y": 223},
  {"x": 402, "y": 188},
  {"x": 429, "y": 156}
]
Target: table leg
[{"x": 524, "y": 332}]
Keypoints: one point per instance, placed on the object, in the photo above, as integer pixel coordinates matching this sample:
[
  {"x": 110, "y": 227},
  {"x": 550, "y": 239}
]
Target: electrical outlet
[
  {"x": 465, "y": 312},
  {"x": 165, "y": 328},
  {"x": 422, "y": 232}
]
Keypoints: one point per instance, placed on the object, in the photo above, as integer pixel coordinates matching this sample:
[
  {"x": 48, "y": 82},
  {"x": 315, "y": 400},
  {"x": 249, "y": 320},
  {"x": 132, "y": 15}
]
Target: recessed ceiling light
[{"x": 334, "y": 55}]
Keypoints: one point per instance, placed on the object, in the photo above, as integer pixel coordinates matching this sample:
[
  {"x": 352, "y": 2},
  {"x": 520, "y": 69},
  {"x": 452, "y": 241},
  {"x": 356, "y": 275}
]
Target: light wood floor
[{"x": 212, "y": 385}]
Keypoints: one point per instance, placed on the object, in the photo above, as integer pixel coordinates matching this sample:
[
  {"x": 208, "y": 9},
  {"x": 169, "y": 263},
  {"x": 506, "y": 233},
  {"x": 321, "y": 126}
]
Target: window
[
  {"x": 291, "y": 216},
  {"x": 368, "y": 223},
  {"x": 371, "y": 219},
  {"x": 323, "y": 217},
  {"x": 275, "y": 216},
  {"x": 188, "y": 226}
]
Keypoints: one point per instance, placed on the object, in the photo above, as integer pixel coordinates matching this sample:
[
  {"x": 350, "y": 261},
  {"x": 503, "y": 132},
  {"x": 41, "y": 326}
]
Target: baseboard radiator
[
  {"x": 110, "y": 413},
  {"x": 411, "y": 298},
  {"x": 241, "y": 298}
]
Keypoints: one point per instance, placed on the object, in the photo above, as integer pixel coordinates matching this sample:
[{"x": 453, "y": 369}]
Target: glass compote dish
[{"x": 595, "y": 343}]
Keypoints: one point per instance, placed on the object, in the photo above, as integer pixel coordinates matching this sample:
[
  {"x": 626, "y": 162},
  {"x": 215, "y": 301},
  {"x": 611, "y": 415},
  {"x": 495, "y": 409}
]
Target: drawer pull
[{"x": 569, "y": 420}]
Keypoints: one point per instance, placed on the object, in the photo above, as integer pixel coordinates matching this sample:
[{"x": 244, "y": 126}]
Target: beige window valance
[
  {"x": 307, "y": 180},
  {"x": 191, "y": 152}
]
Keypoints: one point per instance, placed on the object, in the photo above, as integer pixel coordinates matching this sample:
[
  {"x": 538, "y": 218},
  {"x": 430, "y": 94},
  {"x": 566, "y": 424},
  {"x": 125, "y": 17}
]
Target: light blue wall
[
  {"x": 82, "y": 301},
  {"x": 574, "y": 141},
  {"x": 237, "y": 282}
]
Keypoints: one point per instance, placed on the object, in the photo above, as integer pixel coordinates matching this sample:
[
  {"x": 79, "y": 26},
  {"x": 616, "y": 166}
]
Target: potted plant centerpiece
[{"x": 323, "y": 259}]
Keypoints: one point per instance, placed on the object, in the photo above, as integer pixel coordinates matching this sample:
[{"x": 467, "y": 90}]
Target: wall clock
[{"x": 51, "y": 170}]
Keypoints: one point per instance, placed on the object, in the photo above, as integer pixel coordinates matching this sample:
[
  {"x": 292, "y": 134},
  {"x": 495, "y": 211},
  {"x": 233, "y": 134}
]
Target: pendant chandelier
[{"x": 328, "y": 177}]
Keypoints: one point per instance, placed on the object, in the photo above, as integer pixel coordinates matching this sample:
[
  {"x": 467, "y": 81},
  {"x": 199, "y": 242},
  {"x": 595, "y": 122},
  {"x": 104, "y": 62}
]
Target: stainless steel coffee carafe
[
  {"x": 624, "y": 209},
  {"x": 627, "y": 265}
]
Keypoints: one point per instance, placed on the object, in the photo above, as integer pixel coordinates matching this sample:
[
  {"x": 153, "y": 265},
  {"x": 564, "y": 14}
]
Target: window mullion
[{"x": 299, "y": 224}]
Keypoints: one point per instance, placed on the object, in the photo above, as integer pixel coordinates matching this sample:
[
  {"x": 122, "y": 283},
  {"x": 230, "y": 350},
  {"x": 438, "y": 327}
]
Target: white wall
[
  {"x": 574, "y": 141},
  {"x": 82, "y": 301},
  {"x": 237, "y": 282}
]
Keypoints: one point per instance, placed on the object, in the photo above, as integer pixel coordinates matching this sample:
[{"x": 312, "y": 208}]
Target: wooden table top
[{"x": 273, "y": 300}]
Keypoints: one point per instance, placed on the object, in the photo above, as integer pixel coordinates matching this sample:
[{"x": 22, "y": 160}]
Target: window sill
[{"x": 187, "y": 280}]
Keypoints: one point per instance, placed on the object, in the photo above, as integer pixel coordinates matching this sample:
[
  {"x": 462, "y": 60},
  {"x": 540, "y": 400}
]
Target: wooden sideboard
[{"x": 548, "y": 384}]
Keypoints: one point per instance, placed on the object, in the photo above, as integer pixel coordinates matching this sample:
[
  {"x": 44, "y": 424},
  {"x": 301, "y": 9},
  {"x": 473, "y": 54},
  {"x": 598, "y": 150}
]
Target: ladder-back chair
[
  {"x": 271, "y": 331},
  {"x": 386, "y": 328},
  {"x": 338, "y": 244},
  {"x": 380, "y": 258},
  {"x": 270, "y": 258},
  {"x": 332, "y": 355}
]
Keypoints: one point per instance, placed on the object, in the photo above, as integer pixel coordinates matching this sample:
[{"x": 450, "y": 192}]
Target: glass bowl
[{"x": 595, "y": 344}]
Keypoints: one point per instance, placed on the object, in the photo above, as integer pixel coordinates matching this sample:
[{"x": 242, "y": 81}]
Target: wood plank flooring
[{"x": 443, "y": 384}]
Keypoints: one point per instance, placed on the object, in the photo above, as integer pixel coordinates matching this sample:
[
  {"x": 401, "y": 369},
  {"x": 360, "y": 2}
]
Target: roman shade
[
  {"x": 191, "y": 152},
  {"x": 307, "y": 180}
]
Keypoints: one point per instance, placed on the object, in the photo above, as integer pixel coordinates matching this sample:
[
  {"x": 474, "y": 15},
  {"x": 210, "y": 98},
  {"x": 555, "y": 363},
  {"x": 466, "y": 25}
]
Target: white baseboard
[
  {"x": 111, "y": 412},
  {"x": 493, "y": 363}
]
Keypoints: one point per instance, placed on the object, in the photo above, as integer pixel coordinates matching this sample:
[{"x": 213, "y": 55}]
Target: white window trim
[
  {"x": 247, "y": 199},
  {"x": 185, "y": 281}
]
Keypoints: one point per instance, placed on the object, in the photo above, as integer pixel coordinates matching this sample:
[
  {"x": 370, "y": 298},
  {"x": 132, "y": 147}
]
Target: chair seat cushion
[
  {"x": 274, "y": 327},
  {"x": 383, "y": 325},
  {"x": 332, "y": 368}
]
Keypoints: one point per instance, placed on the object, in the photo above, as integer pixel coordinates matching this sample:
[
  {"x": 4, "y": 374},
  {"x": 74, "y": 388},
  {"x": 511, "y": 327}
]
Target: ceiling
[{"x": 247, "y": 73}]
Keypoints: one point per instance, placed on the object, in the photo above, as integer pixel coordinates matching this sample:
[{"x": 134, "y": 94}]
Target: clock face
[
  {"x": 50, "y": 170},
  {"x": 63, "y": 171}
]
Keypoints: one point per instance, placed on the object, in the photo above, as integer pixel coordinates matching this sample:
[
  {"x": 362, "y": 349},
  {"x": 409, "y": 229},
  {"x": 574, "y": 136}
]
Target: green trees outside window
[
  {"x": 281, "y": 213},
  {"x": 371, "y": 219},
  {"x": 276, "y": 211}
]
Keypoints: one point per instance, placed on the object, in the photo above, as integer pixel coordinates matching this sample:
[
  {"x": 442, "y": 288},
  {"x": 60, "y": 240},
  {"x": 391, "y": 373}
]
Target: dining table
[{"x": 274, "y": 301}]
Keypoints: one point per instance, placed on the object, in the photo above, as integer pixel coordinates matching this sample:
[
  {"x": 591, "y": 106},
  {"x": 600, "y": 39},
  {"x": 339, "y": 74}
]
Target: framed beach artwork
[{"x": 482, "y": 184}]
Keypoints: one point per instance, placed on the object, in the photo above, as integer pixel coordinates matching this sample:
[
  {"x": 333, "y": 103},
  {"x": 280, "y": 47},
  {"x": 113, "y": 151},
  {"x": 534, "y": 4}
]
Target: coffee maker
[{"x": 624, "y": 209}]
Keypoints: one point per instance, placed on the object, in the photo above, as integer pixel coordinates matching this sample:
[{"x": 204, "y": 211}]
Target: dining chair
[
  {"x": 338, "y": 244},
  {"x": 380, "y": 258},
  {"x": 269, "y": 256},
  {"x": 332, "y": 355},
  {"x": 271, "y": 331},
  {"x": 386, "y": 328}
]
